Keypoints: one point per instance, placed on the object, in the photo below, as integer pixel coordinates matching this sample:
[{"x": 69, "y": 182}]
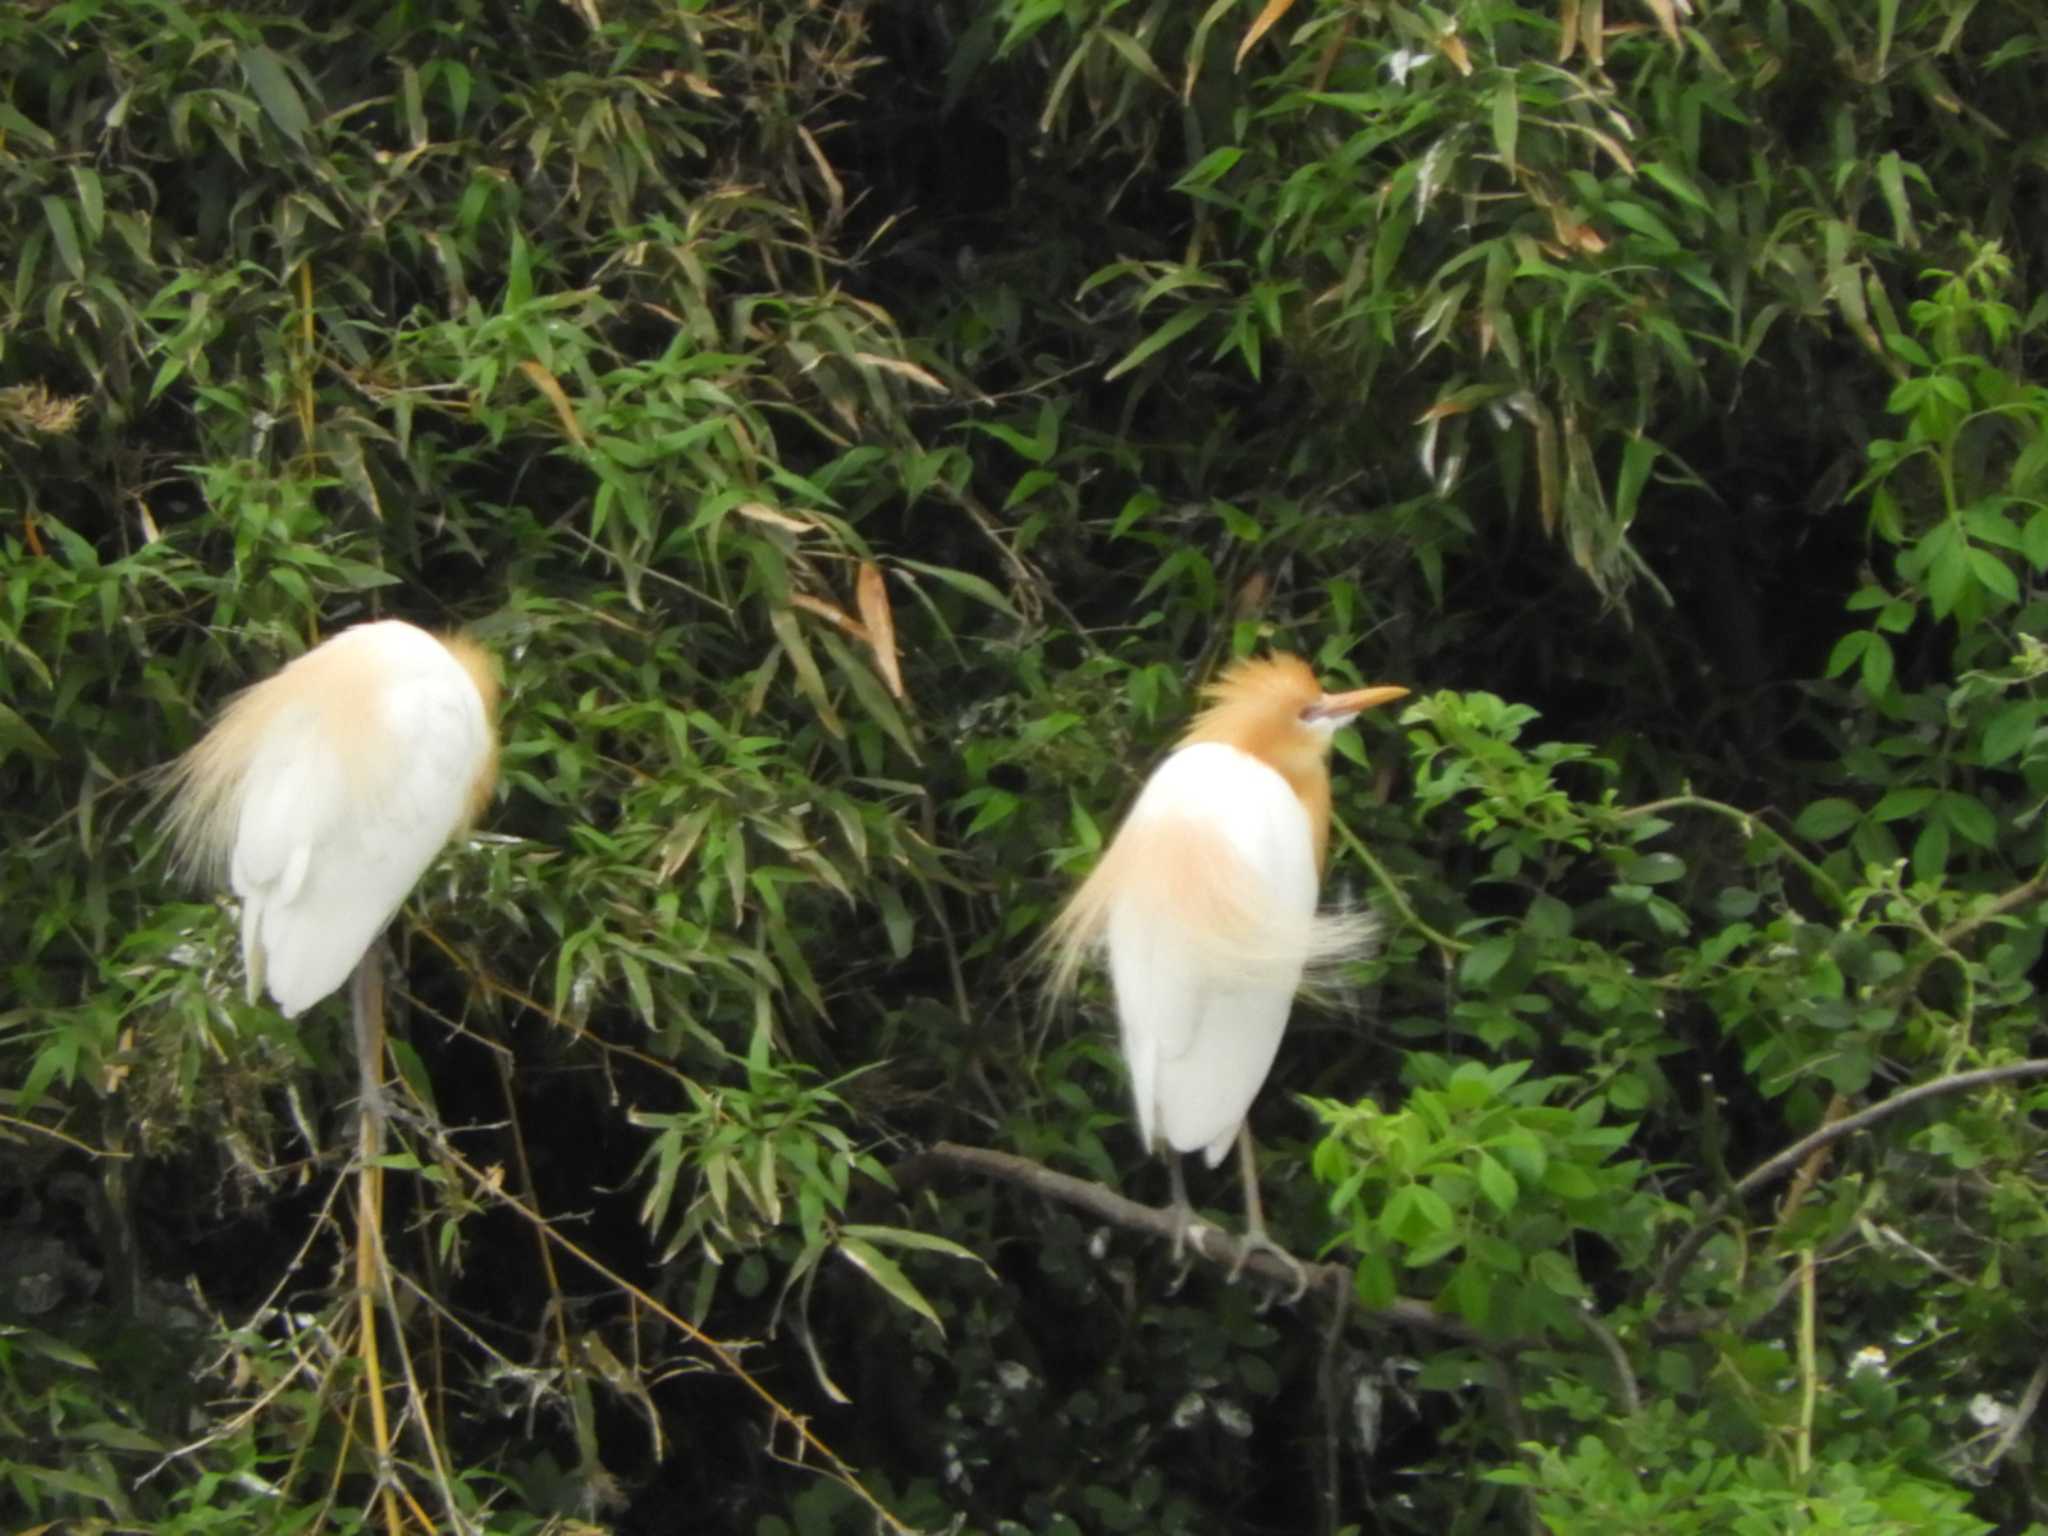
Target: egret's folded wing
[
  {"x": 341, "y": 815},
  {"x": 1209, "y": 928}
]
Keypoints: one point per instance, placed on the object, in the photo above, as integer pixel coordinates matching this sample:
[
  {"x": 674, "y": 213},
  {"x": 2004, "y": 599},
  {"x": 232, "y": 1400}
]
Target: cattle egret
[
  {"x": 1206, "y": 903},
  {"x": 323, "y": 793}
]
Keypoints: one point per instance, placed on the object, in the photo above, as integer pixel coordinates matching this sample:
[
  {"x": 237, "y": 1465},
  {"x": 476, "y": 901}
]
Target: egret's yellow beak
[{"x": 1342, "y": 706}]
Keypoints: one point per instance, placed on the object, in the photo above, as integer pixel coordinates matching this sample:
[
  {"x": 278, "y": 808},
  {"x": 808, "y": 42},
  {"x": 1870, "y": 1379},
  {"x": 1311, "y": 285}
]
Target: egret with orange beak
[{"x": 1206, "y": 903}]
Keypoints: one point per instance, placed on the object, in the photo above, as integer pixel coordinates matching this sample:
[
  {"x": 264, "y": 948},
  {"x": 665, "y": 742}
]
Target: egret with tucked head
[
  {"x": 322, "y": 794},
  {"x": 1206, "y": 903}
]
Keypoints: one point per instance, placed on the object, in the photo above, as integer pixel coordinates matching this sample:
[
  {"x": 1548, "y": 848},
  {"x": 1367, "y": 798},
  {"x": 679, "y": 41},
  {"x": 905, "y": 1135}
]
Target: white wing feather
[
  {"x": 351, "y": 793},
  {"x": 1202, "y": 1011}
]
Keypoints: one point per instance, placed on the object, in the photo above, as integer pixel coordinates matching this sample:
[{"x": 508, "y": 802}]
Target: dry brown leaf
[
  {"x": 694, "y": 83},
  {"x": 831, "y": 611},
  {"x": 1614, "y": 150},
  {"x": 1567, "y": 30},
  {"x": 1574, "y": 235},
  {"x": 1452, "y": 47},
  {"x": 677, "y": 848},
  {"x": 116, "y": 1071},
  {"x": 897, "y": 365},
  {"x": 1261, "y": 25},
  {"x": 774, "y": 519},
  {"x": 873, "y": 594},
  {"x": 834, "y": 192},
  {"x": 546, "y": 383}
]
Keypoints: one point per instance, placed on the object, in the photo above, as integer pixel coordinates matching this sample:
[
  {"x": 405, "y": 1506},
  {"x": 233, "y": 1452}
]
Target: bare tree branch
[
  {"x": 1211, "y": 1243},
  {"x": 1774, "y": 1168}
]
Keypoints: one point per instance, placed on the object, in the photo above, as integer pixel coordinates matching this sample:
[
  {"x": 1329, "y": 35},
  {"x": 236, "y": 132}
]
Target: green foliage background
[{"x": 1655, "y": 388}]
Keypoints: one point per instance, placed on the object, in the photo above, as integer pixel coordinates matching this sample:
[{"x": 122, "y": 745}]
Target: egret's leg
[
  {"x": 1188, "y": 1228},
  {"x": 1255, "y": 1238},
  {"x": 366, "y": 1005},
  {"x": 366, "y": 1012},
  {"x": 1183, "y": 1212}
]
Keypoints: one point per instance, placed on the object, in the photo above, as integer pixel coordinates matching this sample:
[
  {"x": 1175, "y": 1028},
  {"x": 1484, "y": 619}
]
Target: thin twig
[
  {"x": 2021, "y": 1416},
  {"x": 833, "y": 1465},
  {"x": 1773, "y": 1168},
  {"x": 1809, "y": 1369},
  {"x": 1751, "y": 823},
  {"x": 1998, "y": 906},
  {"x": 1631, "y": 1397},
  {"x": 1351, "y": 840}
]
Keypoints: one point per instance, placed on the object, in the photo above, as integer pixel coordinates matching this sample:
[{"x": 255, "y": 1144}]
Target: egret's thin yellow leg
[
  {"x": 1183, "y": 1211},
  {"x": 366, "y": 998},
  {"x": 1255, "y": 1237}
]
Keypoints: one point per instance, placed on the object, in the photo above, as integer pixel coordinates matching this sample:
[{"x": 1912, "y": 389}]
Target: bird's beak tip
[{"x": 1342, "y": 706}]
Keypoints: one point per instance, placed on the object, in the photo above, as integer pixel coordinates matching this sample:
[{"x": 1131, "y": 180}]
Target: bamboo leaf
[
  {"x": 273, "y": 86},
  {"x": 873, "y": 596},
  {"x": 1262, "y": 23},
  {"x": 1160, "y": 339},
  {"x": 885, "y": 1273},
  {"x": 57, "y": 213}
]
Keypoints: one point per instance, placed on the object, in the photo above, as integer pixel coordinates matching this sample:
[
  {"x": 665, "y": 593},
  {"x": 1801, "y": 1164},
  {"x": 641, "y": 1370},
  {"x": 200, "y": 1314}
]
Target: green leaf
[
  {"x": 963, "y": 582},
  {"x": 1375, "y": 1280},
  {"x": 1946, "y": 574},
  {"x": 1638, "y": 458},
  {"x": 1930, "y": 851},
  {"x": 1507, "y": 121},
  {"x": 17, "y": 735},
  {"x": 92, "y": 200},
  {"x": 1653, "y": 869},
  {"x": 885, "y": 1273},
  {"x": 905, "y": 1237},
  {"x": 1846, "y": 651},
  {"x": 1554, "y": 1272},
  {"x": 1211, "y": 168},
  {"x": 57, "y": 213},
  {"x": 1482, "y": 962},
  {"x": 273, "y": 86},
  {"x": 1877, "y": 666},
  {"x": 1901, "y": 803},
  {"x": 1135, "y": 54},
  {"x": 1971, "y": 818},
  {"x": 1165, "y": 336},
  {"x": 1827, "y": 818},
  {"x": 2005, "y": 733},
  {"x": 1640, "y": 219},
  {"x": 1496, "y": 1183},
  {"x": 2034, "y": 540},
  {"x": 1994, "y": 575}
]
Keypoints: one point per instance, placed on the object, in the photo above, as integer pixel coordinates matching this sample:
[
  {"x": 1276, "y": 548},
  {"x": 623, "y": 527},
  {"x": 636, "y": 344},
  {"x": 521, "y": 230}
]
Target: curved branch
[
  {"x": 1751, "y": 823},
  {"x": 1776, "y": 1167},
  {"x": 1218, "y": 1247}
]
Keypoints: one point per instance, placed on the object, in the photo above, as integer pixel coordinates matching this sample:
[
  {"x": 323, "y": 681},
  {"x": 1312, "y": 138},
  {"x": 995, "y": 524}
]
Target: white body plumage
[
  {"x": 1206, "y": 951},
  {"x": 1205, "y": 901},
  {"x": 325, "y": 791}
]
